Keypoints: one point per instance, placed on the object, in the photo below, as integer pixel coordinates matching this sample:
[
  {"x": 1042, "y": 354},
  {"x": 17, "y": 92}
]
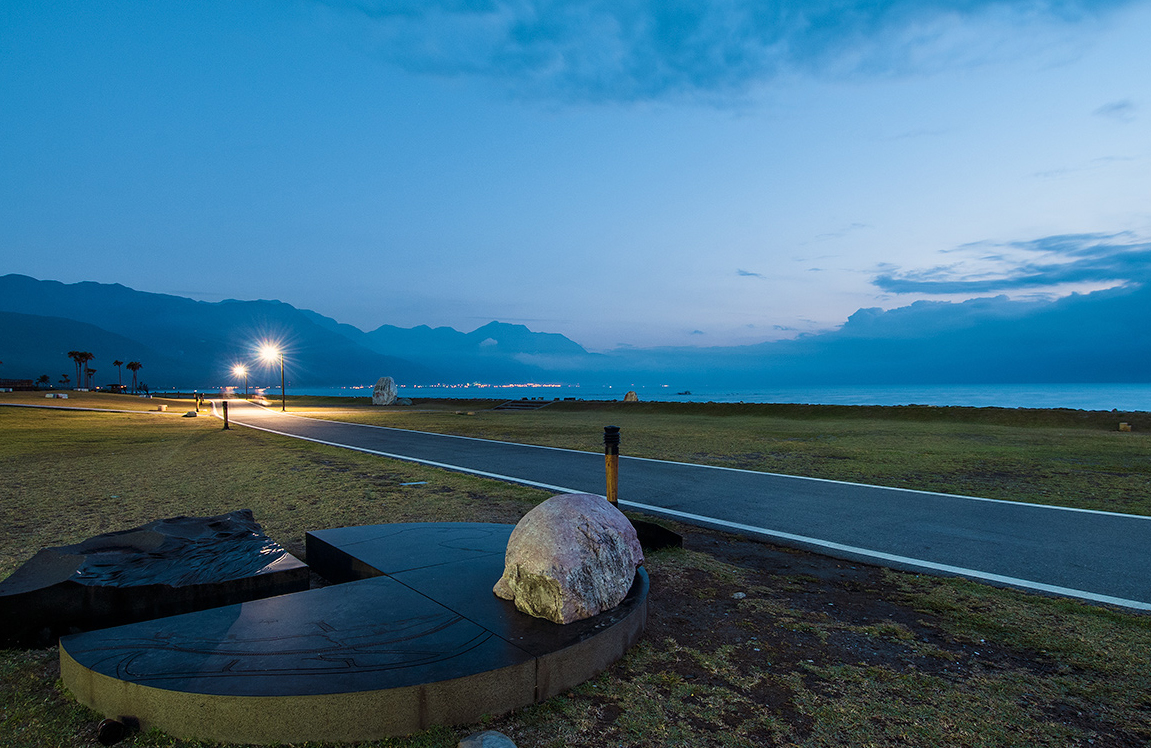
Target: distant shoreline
[{"x": 1128, "y": 397}]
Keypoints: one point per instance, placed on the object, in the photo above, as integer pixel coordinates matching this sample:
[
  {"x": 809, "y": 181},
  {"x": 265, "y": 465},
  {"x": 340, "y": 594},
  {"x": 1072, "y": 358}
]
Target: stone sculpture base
[{"x": 413, "y": 638}]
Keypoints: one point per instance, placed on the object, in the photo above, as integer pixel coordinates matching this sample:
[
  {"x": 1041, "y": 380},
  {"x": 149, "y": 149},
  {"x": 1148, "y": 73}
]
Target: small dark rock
[
  {"x": 111, "y": 731},
  {"x": 487, "y": 739}
]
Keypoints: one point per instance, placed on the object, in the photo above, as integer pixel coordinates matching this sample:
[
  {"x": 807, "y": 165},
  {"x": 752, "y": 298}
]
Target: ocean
[{"x": 1123, "y": 397}]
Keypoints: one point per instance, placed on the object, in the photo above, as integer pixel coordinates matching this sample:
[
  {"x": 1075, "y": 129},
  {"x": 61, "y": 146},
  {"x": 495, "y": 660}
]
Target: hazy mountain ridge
[
  {"x": 1096, "y": 337},
  {"x": 198, "y": 342},
  {"x": 36, "y": 345},
  {"x": 188, "y": 342}
]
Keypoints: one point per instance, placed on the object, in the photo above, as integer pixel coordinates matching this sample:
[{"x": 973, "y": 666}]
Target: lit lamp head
[
  {"x": 239, "y": 371},
  {"x": 271, "y": 353}
]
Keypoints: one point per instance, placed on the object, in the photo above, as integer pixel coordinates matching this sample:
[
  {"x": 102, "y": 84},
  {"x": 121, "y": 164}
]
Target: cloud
[
  {"x": 1123, "y": 110},
  {"x": 697, "y": 332},
  {"x": 748, "y": 274},
  {"x": 919, "y": 133},
  {"x": 629, "y": 50},
  {"x": 1093, "y": 165},
  {"x": 842, "y": 232},
  {"x": 1113, "y": 259}
]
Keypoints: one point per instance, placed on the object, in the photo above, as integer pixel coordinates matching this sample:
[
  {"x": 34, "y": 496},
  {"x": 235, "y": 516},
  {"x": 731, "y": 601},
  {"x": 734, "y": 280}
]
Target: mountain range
[
  {"x": 1096, "y": 337},
  {"x": 186, "y": 343}
]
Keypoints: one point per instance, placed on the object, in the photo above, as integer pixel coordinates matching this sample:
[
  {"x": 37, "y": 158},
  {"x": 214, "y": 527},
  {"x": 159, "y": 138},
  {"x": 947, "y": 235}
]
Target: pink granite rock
[{"x": 571, "y": 557}]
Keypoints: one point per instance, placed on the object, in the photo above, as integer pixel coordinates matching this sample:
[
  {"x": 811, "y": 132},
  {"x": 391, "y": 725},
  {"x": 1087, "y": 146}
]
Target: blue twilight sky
[{"x": 624, "y": 172}]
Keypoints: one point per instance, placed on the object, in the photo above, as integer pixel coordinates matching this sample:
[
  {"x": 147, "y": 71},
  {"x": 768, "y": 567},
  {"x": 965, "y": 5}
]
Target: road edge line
[{"x": 754, "y": 530}]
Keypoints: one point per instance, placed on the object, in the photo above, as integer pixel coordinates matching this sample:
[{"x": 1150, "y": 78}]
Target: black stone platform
[
  {"x": 414, "y": 637},
  {"x": 166, "y": 567}
]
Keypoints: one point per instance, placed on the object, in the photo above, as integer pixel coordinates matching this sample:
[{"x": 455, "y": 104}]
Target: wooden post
[
  {"x": 611, "y": 462},
  {"x": 226, "y": 427}
]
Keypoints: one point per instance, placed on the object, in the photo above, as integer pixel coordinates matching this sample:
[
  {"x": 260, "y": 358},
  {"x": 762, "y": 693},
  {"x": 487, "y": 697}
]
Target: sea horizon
[{"x": 1075, "y": 396}]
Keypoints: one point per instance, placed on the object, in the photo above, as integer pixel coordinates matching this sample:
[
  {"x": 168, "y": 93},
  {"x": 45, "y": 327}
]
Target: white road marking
[
  {"x": 752, "y": 529},
  {"x": 741, "y": 470},
  {"x": 892, "y": 558}
]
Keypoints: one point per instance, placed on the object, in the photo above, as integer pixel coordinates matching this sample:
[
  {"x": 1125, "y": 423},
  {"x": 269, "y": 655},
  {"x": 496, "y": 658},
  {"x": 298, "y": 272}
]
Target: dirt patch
[{"x": 751, "y": 644}]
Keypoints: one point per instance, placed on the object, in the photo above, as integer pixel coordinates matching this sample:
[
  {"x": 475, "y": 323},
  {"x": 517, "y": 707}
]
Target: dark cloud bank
[
  {"x": 1051, "y": 261},
  {"x": 1097, "y": 337}
]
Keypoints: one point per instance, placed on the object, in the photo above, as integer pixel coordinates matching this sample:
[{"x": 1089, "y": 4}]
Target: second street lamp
[
  {"x": 242, "y": 371},
  {"x": 270, "y": 354}
]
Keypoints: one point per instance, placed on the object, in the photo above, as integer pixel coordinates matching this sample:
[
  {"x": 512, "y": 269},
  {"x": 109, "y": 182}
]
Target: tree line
[{"x": 84, "y": 372}]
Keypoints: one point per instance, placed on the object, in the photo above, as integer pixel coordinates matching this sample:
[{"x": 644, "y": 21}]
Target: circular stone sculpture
[
  {"x": 572, "y": 557},
  {"x": 408, "y": 636}
]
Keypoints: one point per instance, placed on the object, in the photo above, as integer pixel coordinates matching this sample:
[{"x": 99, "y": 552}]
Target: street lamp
[
  {"x": 270, "y": 353},
  {"x": 242, "y": 371}
]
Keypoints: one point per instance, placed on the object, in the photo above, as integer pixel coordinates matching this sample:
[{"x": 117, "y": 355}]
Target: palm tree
[
  {"x": 81, "y": 358},
  {"x": 43, "y": 381},
  {"x": 64, "y": 380},
  {"x": 89, "y": 371},
  {"x": 76, "y": 357},
  {"x": 134, "y": 366},
  {"x": 119, "y": 372}
]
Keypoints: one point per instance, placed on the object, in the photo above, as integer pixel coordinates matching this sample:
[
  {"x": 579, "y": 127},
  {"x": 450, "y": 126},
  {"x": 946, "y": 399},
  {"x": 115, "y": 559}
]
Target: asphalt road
[{"x": 1097, "y": 556}]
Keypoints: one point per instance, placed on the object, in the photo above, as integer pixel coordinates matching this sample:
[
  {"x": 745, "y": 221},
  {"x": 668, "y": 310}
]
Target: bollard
[
  {"x": 611, "y": 462},
  {"x": 650, "y": 535},
  {"x": 226, "y": 428}
]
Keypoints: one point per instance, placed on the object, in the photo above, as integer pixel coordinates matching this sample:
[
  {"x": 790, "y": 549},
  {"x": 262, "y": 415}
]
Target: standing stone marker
[{"x": 385, "y": 391}]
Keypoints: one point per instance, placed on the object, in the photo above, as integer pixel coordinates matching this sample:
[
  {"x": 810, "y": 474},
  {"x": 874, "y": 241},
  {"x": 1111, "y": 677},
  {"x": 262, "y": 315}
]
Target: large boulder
[
  {"x": 385, "y": 391},
  {"x": 570, "y": 558}
]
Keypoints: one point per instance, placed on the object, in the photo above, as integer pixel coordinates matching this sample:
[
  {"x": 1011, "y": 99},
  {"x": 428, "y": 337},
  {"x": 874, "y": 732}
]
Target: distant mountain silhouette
[
  {"x": 1096, "y": 337},
  {"x": 33, "y": 345},
  {"x": 193, "y": 343},
  {"x": 196, "y": 343},
  {"x": 495, "y": 353}
]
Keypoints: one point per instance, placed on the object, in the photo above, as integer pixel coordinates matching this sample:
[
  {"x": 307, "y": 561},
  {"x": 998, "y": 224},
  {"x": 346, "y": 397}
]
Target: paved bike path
[{"x": 1092, "y": 555}]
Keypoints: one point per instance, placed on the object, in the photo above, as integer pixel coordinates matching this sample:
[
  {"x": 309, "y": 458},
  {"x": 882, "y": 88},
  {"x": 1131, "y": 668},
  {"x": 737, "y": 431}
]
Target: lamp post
[
  {"x": 242, "y": 371},
  {"x": 270, "y": 354}
]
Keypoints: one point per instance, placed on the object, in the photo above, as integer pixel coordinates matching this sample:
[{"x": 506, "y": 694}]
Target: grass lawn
[
  {"x": 813, "y": 652},
  {"x": 105, "y": 401}
]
